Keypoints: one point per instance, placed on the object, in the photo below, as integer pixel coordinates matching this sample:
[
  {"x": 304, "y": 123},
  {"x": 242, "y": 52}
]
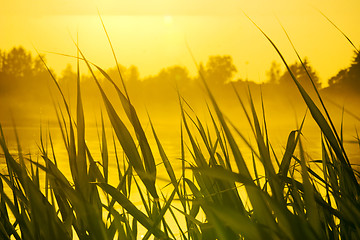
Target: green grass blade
[
  {"x": 320, "y": 120},
  {"x": 132, "y": 209},
  {"x": 149, "y": 161},
  {"x": 309, "y": 196},
  {"x": 347, "y": 38},
  {"x": 164, "y": 209},
  {"x": 265, "y": 155},
  {"x": 126, "y": 139},
  {"x": 104, "y": 151},
  {"x": 167, "y": 164},
  {"x": 81, "y": 165}
]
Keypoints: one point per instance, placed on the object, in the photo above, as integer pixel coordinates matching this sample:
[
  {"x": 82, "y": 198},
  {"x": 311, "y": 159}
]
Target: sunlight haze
[
  {"x": 231, "y": 119},
  {"x": 154, "y": 34}
]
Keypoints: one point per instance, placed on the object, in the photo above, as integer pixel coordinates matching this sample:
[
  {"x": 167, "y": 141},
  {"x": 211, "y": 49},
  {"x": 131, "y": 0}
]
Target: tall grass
[{"x": 217, "y": 194}]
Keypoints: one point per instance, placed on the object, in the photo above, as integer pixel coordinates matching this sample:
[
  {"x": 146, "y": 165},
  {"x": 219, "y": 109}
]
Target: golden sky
[{"x": 153, "y": 34}]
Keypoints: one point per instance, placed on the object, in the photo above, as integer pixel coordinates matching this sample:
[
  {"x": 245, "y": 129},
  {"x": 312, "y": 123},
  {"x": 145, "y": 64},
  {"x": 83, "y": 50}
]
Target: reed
[{"x": 215, "y": 195}]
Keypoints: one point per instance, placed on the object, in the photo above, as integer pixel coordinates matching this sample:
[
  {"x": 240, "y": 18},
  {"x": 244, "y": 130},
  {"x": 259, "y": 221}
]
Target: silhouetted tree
[
  {"x": 167, "y": 80},
  {"x": 339, "y": 78},
  {"x": 218, "y": 70},
  {"x": 2, "y": 57},
  {"x": 67, "y": 82},
  {"x": 300, "y": 74},
  {"x": 19, "y": 70},
  {"x": 354, "y": 72},
  {"x": 24, "y": 82},
  {"x": 19, "y": 63},
  {"x": 274, "y": 72},
  {"x": 68, "y": 77},
  {"x": 130, "y": 74},
  {"x": 348, "y": 78}
]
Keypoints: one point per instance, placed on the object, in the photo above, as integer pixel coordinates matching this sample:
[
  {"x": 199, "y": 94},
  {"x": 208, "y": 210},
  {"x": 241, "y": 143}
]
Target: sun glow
[
  {"x": 163, "y": 146},
  {"x": 141, "y": 30},
  {"x": 168, "y": 20}
]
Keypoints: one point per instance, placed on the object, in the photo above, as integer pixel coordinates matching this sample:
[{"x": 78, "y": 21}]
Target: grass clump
[{"x": 215, "y": 194}]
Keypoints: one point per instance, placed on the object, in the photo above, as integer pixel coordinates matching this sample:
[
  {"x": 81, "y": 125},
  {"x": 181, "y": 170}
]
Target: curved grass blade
[
  {"x": 321, "y": 121},
  {"x": 131, "y": 114},
  {"x": 347, "y": 38},
  {"x": 132, "y": 210},
  {"x": 126, "y": 140},
  {"x": 81, "y": 165}
]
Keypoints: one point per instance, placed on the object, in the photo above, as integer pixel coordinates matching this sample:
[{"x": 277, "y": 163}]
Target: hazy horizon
[{"x": 154, "y": 35}]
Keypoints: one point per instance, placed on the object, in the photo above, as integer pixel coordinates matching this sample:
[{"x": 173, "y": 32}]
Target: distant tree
[
  {"x": 24, "y": 84},
  {"x": 300, "y": 74},
  {"x": 168, "y": 77},
  {"x": 68, "y": 76},
  {"x": 175, "y": 73},
  {"x": 133, "y": 74},
  {"x": 130, "y": 74},
  {"x": 348, "y": 78},
  {"x": 161, "y": 88},
  {"x": 218, "y": 69},
  {"x": 67, "y": 81},
  {"x": 354, "y": 71},
  {"x": 20, "y": 63},
  {"x": 274, "y": 72},
  {"x": 339, "y": 78},
  {"x": 20, "y": 71},
  {"x": 2, "y": 57}
]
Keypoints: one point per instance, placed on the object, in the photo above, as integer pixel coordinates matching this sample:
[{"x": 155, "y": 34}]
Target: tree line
[{"x": 26, "y": 85}]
